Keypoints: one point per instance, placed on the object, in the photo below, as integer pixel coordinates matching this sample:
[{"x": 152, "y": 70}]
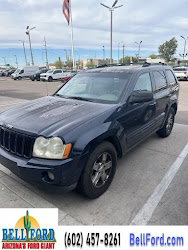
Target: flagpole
[{"x": 72, "y": 36}]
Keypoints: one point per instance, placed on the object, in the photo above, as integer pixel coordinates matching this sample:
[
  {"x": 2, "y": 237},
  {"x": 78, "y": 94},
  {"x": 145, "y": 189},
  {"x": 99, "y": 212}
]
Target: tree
[
  {"x": 168, "y": 49},
  {"x": 58, "y": 64},
  {"x": 69, "y": 64},
  {"x": 153, "y": 56},
  {"x": 127, "y": 60},
  {"x": 90, "y": 64}
]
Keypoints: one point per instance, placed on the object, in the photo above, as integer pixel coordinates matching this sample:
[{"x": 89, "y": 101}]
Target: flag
[{"x": 66, "y": 10}]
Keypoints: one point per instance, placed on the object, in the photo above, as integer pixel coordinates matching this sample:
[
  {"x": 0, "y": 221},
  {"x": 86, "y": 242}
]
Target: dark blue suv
[{"x": 73, "y": 138}]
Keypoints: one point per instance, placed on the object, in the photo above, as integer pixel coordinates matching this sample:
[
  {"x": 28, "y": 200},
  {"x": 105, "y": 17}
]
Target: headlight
[{"x": 52, "y": 148}]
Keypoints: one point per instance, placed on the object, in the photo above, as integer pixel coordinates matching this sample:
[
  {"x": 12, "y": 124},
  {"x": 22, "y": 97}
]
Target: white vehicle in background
[
  {"x": 2, "y": 72},
  {"x": 51, "y": 75},
  {"x": 26, "y": 71},
  {"x": 181, "y": 73}
]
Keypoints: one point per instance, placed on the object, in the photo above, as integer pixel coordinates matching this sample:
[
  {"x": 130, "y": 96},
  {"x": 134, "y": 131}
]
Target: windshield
[
  {"x": 98, "y": 87},
  {"x": 50, "y": 71},
  {"x": 17, "y": 71}
]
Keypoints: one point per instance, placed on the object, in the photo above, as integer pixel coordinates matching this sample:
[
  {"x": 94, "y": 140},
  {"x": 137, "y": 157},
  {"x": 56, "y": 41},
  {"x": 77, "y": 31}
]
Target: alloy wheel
[{"x": 101, "y": 170}]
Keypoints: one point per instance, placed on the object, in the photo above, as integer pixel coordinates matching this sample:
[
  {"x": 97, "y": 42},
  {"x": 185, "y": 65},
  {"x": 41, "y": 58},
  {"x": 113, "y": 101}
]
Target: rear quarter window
[
  {"x": 170, "y": 77},
  {"x": 160, "y": 79}
]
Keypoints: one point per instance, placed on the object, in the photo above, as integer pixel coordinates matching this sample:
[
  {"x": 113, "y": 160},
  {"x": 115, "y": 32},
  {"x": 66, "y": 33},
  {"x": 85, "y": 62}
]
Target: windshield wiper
[
  {"x": 80, "y": 98},
  {"x": 74, "y": 98},
  {"x": 62, "y": 96}
]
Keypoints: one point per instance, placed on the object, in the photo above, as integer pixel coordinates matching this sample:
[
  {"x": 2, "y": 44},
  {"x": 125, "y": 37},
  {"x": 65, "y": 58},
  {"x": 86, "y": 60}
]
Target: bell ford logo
[{"x": 27, "y": 234}]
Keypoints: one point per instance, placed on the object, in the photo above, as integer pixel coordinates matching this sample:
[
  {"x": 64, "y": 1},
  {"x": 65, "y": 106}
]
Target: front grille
[{"x": 16, "y": 143}]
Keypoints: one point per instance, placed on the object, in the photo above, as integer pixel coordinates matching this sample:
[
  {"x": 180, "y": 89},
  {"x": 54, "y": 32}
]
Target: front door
[{"x": 138, "y": 119}]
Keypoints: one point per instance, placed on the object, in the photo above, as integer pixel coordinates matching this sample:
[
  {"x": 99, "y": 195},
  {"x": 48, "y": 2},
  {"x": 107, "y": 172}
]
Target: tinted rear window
[
  {"x": 170, "y": 76},
  {"x": 180, "y": 69},
  {"x": 160, "y": 79}
]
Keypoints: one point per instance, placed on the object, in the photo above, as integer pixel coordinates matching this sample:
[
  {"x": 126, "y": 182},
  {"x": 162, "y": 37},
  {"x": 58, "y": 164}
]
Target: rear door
[
  {"x": 161, "y": 94},
  {"x": 173, "y": 85}
]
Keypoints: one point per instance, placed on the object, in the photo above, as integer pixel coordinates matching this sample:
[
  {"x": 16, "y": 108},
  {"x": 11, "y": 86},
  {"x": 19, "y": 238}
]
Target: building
[
  {"x": 96, "y": 62},
  {"x": 157, "y": 60}
]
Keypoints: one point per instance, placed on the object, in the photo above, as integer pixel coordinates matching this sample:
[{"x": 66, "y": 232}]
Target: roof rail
[
  {"x": 146, "y": 64},
  {"x": 113, "y": 65}
]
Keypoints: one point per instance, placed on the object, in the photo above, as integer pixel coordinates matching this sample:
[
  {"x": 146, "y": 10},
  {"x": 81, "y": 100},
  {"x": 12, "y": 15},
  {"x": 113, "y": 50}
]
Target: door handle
[{"x": 152, "y": 104}]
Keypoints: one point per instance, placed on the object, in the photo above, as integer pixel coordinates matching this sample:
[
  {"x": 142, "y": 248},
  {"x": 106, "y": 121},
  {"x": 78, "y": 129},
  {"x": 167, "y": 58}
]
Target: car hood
[
  {"x": 51, "y": 115},
  {"x": 44, "y": 74}
]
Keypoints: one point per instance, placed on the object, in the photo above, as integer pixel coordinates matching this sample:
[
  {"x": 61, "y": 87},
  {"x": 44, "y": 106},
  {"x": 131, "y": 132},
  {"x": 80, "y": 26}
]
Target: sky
[{"x": 151, "y": 21}]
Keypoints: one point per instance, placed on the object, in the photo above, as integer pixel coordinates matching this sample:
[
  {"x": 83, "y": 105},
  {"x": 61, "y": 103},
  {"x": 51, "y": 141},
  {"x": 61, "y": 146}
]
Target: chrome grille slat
[{"x": 16, "y": 143}]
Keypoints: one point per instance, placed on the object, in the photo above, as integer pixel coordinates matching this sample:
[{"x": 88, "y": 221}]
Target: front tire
[
  {"x": 50, "y": 79},
  {"x": 99, "y": 171},
  {"x": 166, "y": 130}
]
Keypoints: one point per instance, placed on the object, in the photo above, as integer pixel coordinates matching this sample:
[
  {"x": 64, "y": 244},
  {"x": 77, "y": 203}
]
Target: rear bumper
[
  {"x": 66, "y": 172},
  {"x": 182, "y": 77}
]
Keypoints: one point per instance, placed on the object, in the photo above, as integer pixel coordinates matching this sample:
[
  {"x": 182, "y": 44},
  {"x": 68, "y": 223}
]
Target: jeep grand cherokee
[{"x": 74, "y": 137}]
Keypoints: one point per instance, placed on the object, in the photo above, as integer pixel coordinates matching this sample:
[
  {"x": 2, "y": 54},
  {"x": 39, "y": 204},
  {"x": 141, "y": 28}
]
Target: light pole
[
  {"x": 139, "y": 45},
  {"x": 16, "y": 60},
  {"x": 184, "y": 54},
  {"x": 24, "y": 51},
  {"x": 46, "y": 52},
  {"x": 4, "y": 60},
  {"x": 123, "y": 52},
  {"x": 28, "y": 33},
  {"x": 79, "y": 59},
  {"x": 42, "y": 59},
  {"x": 103, "y": 54},
  {"x": 111, "y": 9},
  {"x": 118, "y": 49},
  {"x": 67, "y": 54}
]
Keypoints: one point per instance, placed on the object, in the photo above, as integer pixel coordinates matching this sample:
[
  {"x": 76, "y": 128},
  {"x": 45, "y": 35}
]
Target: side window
[
  {"x": 22, "y": 71},
  {"x": 56, "y": 71},
  {"x": 143, "y": 83},
  {"x": 170, "y": 76},
  {"x": 160, "y": 79}
]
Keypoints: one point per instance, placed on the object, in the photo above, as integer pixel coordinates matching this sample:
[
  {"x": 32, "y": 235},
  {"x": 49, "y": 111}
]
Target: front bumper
[
  {"x": 44, "y": 78},
  {"x": 35, "y": 170}
]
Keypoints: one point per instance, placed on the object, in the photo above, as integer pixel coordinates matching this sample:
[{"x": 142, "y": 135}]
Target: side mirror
[{"x": 141, "y": 96}]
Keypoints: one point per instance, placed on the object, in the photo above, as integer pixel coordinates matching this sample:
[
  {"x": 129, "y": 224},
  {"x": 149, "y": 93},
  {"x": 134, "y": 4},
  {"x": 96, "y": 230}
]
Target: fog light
[{"x": 51, "y": 176}]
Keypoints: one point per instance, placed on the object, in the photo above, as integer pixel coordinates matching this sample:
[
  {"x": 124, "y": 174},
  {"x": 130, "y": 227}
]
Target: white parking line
[{"x": 145, "y": 214}]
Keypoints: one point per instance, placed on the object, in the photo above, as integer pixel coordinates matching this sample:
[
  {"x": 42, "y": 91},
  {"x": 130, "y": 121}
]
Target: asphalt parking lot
[{"x": 150, "y": 185}]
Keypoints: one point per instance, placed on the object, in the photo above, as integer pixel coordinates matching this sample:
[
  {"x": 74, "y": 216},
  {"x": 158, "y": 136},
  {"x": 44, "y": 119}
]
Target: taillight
[{"x": 185, "y": 73}]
